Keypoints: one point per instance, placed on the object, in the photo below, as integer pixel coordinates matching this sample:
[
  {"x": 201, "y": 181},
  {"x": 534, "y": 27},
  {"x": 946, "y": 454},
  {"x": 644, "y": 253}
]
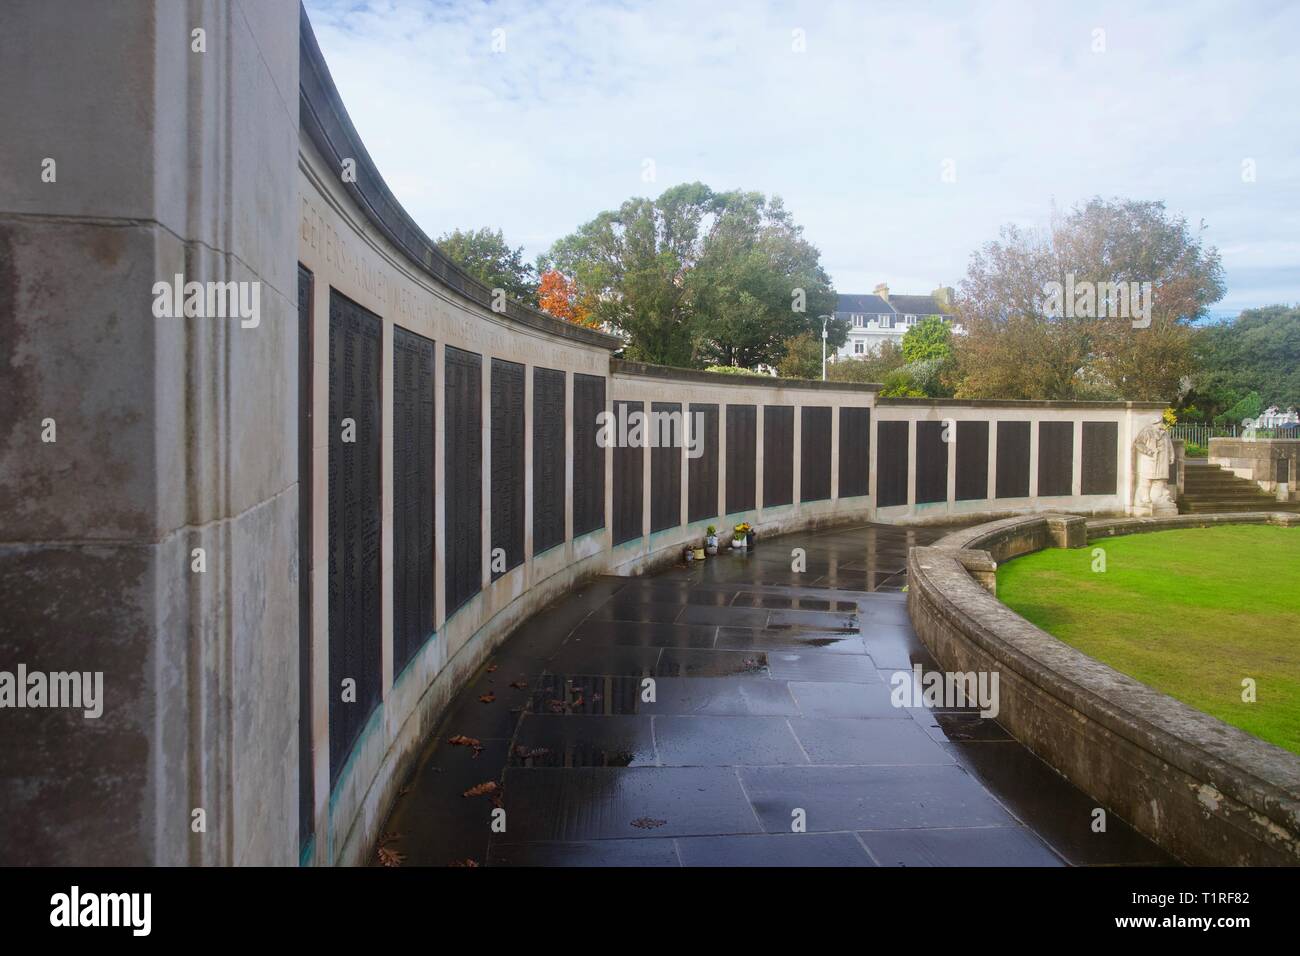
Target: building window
[{"x": 858, "y": 348}]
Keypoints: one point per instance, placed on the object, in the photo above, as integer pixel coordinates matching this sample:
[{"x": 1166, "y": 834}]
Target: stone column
[{"x": 149, "y": 462}]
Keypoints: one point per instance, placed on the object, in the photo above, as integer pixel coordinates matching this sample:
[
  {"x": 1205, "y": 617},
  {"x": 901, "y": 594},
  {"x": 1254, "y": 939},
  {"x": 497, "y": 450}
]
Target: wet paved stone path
[{"x": 771, "y": 695}]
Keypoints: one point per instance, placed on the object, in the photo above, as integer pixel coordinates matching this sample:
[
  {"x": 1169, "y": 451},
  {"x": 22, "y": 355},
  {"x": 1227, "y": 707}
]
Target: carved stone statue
[{"x": 1155, "y": 453}]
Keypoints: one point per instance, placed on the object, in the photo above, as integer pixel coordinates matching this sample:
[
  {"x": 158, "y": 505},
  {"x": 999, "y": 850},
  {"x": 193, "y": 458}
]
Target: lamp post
[{"x": 825, "y": 319}]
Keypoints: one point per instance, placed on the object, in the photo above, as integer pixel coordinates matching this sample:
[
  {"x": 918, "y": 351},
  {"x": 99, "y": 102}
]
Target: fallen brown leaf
[
  {"x": 389, "y": 857},
  {"x": 487, "y": 698},
  {"x": 647, "y": 823},
  {"x": 460, "y": 740},
  {"x": 487, "y": 788}
]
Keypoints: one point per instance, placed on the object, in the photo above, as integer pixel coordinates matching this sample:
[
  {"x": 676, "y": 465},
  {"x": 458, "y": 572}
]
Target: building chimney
[{"x": 882, "y": 290}]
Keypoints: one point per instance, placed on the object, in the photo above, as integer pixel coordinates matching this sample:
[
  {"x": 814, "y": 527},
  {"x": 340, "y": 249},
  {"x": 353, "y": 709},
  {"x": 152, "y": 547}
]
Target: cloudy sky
[{"x": 535, "y": 116}]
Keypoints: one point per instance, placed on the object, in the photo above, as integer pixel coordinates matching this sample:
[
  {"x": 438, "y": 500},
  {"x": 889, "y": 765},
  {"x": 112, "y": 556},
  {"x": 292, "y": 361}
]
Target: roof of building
[
  {"x": 862, "y": 305},
  {"x": 915, "y": 305}
]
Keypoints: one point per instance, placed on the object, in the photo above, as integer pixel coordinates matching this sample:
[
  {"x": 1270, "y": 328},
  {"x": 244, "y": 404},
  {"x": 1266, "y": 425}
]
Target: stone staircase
[{"x": 1208, "y": 488}]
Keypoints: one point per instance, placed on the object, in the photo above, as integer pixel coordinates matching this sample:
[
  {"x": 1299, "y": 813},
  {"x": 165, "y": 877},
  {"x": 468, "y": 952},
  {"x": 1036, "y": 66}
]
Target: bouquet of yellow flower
[{"x": 742, "y": 529}]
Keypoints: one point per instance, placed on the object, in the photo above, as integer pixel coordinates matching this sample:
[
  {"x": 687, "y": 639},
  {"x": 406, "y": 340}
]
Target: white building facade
[{"x": 879, "y": 317}]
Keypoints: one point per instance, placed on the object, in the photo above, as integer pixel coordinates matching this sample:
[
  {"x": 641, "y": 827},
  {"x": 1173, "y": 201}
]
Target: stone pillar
[{"x": 148, "y": 462}]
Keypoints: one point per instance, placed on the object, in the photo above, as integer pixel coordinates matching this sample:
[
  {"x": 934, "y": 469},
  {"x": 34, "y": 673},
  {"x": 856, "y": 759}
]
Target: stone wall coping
[
  {"x": 325, "y": 120},
  {"x": 1015, "y": 403},
  {"x": 667, "y": 372},
  {"x": 1262, "y": 447},
  {"x": 1111, "y": 527},
  {"x": 1257, "y": 774}
]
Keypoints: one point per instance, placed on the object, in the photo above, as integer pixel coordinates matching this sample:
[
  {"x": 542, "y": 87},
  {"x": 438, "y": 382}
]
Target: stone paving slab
[
  {"x": 684, "y": 718},
  {"x": 973, "y": 846}
]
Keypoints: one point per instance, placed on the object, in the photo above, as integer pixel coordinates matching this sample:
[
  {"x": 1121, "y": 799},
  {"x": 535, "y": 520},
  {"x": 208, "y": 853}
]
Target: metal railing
[{"x": 1198, "y": 434}]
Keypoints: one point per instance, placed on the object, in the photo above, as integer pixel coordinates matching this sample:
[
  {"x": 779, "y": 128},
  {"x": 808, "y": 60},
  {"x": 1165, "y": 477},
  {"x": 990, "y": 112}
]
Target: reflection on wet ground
[{"x": 770, "y": 706}]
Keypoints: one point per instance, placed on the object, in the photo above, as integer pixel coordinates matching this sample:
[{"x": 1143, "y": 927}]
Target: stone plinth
[{"x": 1269, "y": 462}]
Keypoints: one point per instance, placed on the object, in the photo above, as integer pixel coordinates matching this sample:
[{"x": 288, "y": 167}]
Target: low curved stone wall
[{"x": 1207, "y": 792}]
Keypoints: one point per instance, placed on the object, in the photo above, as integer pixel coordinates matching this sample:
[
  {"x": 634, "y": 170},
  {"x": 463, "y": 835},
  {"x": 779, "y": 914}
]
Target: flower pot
[
  {"x": 738, "y": 544},
  {"x": 699, "y": 554},
  {"x": 688, "y": 555},
  {"x": 749, "y": 539},
  {"x": 711, "y": 544}
]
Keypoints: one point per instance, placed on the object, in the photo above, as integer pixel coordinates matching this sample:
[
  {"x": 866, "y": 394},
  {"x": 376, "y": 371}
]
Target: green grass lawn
[{"x": 1191, "y": 613}]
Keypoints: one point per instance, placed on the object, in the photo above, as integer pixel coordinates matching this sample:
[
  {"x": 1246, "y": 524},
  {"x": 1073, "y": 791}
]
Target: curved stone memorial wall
[{"x": 522, "y": 500}]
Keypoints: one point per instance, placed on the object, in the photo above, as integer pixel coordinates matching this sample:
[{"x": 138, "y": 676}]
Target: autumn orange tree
[{"x": 557, "y": 295}]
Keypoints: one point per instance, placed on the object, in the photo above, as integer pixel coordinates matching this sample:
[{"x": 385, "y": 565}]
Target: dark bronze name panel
[
  {"x": 507, "y": 464},
  {"x": 1100, "y": 458},
  {"x": 815, "y": 454},
  {"x": 629, "y": 484},
  {"x": 742, "y": 449},
  {"x": 702, "y": 472},
  {"x": 1013, "y": 460},
  {"x": 1055, "y": 458},
  {"x": 355, "y": 521},
  {"x": 778, "y": 455},
  {"x": 931, "y": 463},
  {"x": 666, "y": 469},
  {"x": 463, "y": 477},
  {"x": 891, "y": 464},
  {"x": 306, "y": 790},
  {"x": 413, "y": 495},
  {"x": 588, "y": 456},
  {"x": 548, "y": 459},
  {"x": 972, "y": 461},
  {"x": 855, "y": 452}
]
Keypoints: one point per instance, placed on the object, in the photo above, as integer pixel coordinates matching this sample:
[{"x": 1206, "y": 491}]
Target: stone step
[
  {"x": 1240, "y": 499},
  {"x": 1208, "y": 488},
  {"x": 1226, "y": 493},
  {"x": 1209, "y": 507}
]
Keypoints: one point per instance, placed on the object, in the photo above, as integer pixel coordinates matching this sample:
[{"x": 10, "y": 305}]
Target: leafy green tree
[
  {"x": 1258, "y": 351},
  {"x": 485, "y": 255},
  {"x": 757, "y": 284},
  {"x": 1012, "y": 347},
  {"x": 696, "y": 277},
  {"x": 930, "y": 339},
  {"x": 1249, "y": 406},
  {"x": 899, "y": 384},
  {"x": 872, "y": 368},
  {"x": 803, "y": 357}
]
